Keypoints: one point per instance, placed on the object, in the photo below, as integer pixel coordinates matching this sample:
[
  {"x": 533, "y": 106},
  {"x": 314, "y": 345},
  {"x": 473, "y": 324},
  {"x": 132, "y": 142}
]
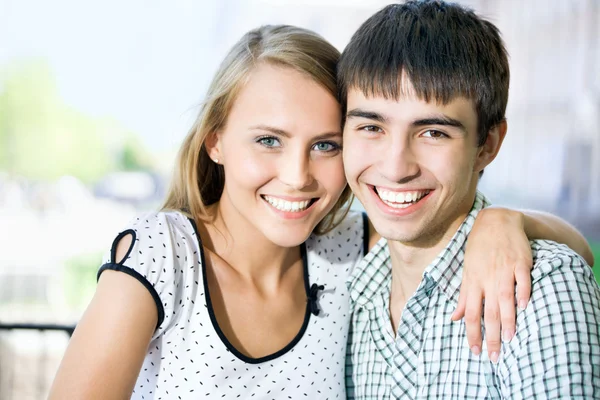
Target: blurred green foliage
[
  {"x": 42, "y": 138},
  {"x": 80, "y": 279},
  {"x": 596, "y": 251}
]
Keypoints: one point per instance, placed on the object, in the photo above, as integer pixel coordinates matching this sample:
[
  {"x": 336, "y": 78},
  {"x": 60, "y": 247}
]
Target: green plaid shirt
[{"x": 554, "y": 354}]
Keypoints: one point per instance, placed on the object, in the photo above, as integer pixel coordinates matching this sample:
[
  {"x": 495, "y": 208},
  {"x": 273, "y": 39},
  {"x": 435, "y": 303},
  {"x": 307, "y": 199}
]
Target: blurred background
[{"x": 95, "y": 99}]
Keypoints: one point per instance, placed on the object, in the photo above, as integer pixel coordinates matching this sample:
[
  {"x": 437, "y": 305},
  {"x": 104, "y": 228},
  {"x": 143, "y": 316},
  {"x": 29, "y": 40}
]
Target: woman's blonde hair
[{"x": 198, "y": 181}]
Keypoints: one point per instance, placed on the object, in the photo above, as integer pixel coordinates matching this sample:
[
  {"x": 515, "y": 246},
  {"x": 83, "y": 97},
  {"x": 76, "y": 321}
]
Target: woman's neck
[{"x": 237, "y": 242}]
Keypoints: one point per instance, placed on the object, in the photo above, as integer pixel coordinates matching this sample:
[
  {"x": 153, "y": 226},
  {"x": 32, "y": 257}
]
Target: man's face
[{"x": 413, "y": 165}]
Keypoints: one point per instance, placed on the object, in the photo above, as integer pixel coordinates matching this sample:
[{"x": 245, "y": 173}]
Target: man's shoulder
[
  {"x": 550, "y": 258},
  {"x": 563, "y": 286},
  {"x": 558, "y": 331}
]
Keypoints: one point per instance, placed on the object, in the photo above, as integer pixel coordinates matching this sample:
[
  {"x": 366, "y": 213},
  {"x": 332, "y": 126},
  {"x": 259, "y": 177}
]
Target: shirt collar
[
  {"x": 370, "y": 276},
  {"x": 373, "y": 273},
  {"x": 447, "y": 268}
]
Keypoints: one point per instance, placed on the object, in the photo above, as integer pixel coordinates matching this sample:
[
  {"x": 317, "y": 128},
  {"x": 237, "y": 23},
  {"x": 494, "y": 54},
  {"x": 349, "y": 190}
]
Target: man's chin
[
  {"x": 409, "y": 232},
  {"x": 404, "y": 238}
]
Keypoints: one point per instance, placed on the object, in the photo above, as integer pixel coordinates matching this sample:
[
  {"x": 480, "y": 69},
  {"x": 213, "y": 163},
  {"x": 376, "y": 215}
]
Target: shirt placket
[
  {"x": 408, "y": 342},
  {"x": 382, "y": 336}
]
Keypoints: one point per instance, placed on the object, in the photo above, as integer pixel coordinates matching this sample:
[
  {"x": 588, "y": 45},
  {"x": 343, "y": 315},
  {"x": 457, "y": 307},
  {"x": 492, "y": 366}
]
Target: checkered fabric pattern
[{"x": 555, "y": 352}]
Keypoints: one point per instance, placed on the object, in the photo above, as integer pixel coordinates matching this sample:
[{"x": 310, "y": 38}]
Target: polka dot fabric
[{"x": 187, "y": 359}]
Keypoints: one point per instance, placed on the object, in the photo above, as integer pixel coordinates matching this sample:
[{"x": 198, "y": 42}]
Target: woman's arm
[
  {"x": 542, "y": 225},
  {"x": 110, "y": 342},
  {"x": 497, "y": 256}
]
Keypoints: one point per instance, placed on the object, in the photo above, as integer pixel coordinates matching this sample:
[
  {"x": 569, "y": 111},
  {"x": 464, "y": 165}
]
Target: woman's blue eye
[
  {"x": 326, "y": 146},
  {"x": 268, "y": 141}
]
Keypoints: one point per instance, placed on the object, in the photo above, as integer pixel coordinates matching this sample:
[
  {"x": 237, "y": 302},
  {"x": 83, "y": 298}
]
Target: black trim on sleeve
[
  {"x": 365, "y": 233},
  {"x": 113, "y": 249},
  {"x": 134, "y": 274}
]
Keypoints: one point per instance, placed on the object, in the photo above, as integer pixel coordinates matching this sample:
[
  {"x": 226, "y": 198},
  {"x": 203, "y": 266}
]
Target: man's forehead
[
  {"x": 357, "y": 97},
  {"x": 409, "y": 108},
  {"x": 388, "y": 89},
  {"x": 401, "y": 88}
]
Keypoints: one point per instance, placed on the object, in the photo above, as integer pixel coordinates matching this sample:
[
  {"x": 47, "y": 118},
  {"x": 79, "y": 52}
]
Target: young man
[{"x": 425, "y": 87}]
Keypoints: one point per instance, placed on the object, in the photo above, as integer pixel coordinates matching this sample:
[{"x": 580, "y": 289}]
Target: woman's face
[{"x": 281, "y": 150}]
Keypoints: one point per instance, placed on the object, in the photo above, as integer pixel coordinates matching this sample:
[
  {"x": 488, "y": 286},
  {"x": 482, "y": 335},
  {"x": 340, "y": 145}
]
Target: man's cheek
[{"x": 353, "y": 165}]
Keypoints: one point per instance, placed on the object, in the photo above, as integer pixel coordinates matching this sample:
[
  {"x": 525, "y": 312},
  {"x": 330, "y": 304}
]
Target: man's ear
[
  {"x": 488, "y": 152},
  {"x": 212, "y": 143}
]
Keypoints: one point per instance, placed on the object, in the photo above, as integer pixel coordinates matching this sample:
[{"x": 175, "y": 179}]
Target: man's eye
[
  {"x": 434, "y": 134},
  {"x": 268, "y": 141},
  {"x": 326, "y": 146},
  {"x": 371, "y": 128}
]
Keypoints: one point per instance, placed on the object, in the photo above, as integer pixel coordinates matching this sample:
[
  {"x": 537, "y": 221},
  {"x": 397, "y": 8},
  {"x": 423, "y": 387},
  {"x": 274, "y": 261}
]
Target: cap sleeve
[{"x": 152, "y": 259}]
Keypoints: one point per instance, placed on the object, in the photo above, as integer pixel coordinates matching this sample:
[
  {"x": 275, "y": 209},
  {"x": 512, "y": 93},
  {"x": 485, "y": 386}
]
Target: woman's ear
[
  {"x": 488, "y": 152},
  {"x": 213, "y": 146}
]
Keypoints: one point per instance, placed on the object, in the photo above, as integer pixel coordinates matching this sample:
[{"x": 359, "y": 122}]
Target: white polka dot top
[{"x": 190, "y": 358}]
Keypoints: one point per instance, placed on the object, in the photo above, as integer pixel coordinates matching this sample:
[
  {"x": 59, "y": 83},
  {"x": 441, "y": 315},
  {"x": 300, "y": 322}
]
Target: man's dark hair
[{"x": 444, "y": 49}]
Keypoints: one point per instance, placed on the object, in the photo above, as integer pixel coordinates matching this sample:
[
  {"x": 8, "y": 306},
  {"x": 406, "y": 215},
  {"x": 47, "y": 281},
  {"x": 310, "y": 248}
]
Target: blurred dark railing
[
  {"x": 68, "y": 329},
  {"x": 29, "y": 376}
]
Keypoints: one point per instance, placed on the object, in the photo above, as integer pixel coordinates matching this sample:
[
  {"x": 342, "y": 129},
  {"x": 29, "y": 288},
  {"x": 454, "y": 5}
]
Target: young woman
[{"x": 236, "y": 289}]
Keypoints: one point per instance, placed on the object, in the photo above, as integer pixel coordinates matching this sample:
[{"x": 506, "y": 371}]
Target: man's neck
[{"x": 408, "y": 265}]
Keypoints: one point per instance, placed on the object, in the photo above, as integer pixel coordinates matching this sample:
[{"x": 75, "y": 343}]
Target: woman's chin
[{"x": 289, "y": 237}]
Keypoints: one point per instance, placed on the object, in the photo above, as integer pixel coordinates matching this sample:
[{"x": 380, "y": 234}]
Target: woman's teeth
[
  {"x": 401, "y": 199},
  {"x": 285, "y": 205}
]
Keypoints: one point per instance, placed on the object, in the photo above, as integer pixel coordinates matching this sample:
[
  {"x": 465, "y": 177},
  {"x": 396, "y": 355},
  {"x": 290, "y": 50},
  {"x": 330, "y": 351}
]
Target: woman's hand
[{"x": 497, "y": 256}]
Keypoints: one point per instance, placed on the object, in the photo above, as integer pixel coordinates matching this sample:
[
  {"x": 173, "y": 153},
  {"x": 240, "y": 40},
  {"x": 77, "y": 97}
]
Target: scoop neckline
[{"x": 215, "y": 323}]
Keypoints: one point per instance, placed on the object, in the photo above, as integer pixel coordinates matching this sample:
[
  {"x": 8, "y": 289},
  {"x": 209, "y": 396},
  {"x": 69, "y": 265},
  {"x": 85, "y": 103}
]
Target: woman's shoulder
[
  {"x": 160, "y": 220},
  {"x": 344, "y": 241},
  {"x": 160, "y": 227},
  {"x": 158, "y": 241},
  {"x": 163, "y": 256}
]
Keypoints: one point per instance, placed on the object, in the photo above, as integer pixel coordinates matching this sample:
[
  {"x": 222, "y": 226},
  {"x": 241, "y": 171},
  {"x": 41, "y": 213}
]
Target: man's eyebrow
[
  {"x": 443, "y": 120},
  {"x": 358, "y": 113},
  {"x": 281, "y": 132}
]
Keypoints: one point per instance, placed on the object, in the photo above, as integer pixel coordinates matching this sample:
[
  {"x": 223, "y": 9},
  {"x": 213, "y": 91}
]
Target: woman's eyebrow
[
  {"x": 272, "y": 129},
  {"x": 281, "y": 132}
]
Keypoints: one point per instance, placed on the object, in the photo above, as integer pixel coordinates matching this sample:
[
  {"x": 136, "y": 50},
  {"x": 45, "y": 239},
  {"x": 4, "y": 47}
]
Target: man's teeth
[
  {"x": 401, "y": 199},
  {"x": 284, "y": 205}
]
